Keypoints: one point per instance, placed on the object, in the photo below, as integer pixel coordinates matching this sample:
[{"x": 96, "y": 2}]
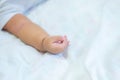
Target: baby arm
[{"x": 34, "y": 35}]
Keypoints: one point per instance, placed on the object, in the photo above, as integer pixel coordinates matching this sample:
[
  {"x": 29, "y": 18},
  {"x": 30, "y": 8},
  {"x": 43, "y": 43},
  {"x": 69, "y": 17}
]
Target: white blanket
[{"x": 93, "y": 28}]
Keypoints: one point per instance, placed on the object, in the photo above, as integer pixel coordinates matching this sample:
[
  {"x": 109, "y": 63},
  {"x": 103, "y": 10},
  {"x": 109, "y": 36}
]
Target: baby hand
[{"x": 55, "y": 44}]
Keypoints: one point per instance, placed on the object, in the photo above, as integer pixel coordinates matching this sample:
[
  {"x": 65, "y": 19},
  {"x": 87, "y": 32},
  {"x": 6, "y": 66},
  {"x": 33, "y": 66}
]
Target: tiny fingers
[
  {"x": 66, "y": 42},
  {"x": 58, "y": 44}
]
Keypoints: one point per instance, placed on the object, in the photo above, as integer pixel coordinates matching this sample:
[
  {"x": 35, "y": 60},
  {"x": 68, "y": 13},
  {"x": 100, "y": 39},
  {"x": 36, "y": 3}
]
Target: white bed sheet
[{"x": 93, "y": 28}]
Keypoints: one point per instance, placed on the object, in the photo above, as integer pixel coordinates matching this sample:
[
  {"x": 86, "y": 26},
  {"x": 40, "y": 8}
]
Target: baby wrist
[{"x": 43, "y": 44}]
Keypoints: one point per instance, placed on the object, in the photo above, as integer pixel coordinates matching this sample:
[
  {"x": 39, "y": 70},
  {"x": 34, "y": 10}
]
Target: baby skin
[{"x": 35, "y": 36}]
